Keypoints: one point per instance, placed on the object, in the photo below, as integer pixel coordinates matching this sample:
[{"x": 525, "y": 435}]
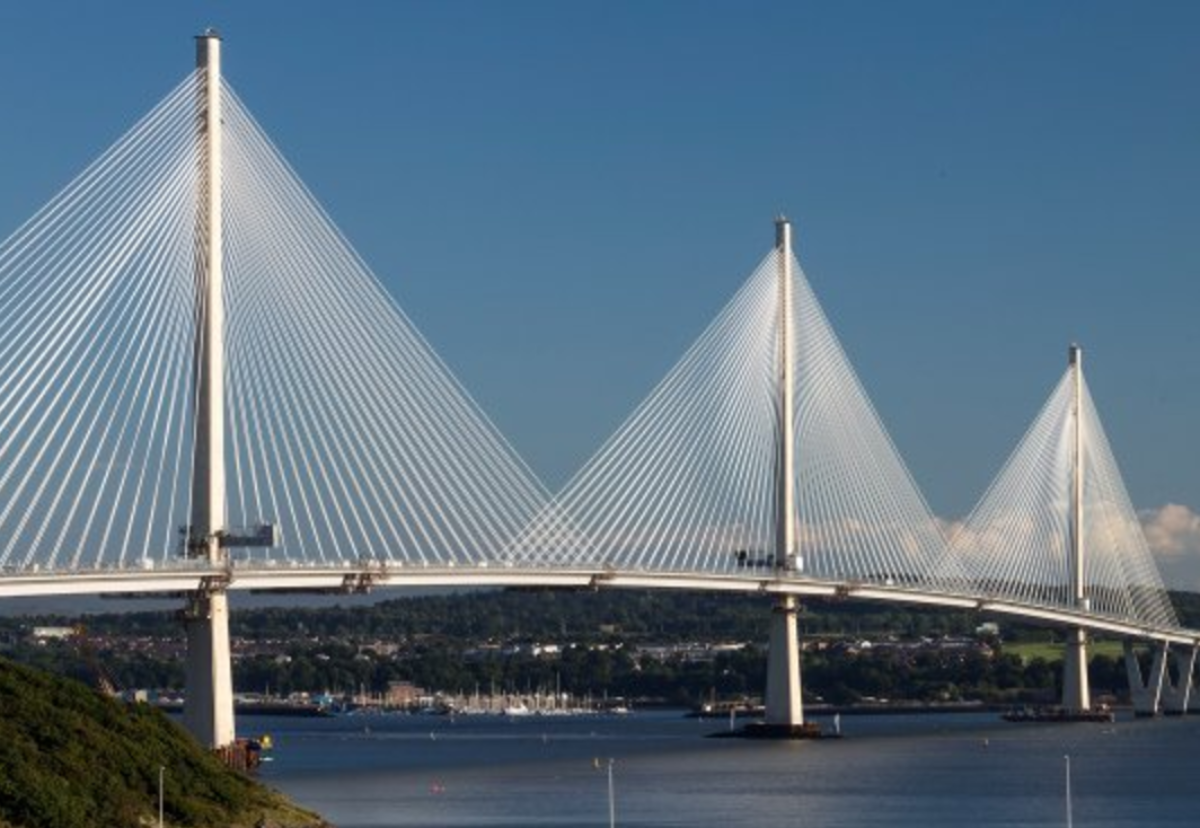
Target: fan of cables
[
  {"x": 344, "y": 427},
  {"x": 688, "y": 483},
  {"x": 1016, "y": 543}
]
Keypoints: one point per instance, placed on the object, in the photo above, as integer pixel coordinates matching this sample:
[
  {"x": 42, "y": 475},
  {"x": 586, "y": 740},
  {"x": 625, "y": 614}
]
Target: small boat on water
[{"x": 721, "y": 710}]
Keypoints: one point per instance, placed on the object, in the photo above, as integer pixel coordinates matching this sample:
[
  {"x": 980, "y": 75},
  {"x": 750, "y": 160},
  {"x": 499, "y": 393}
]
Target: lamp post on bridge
[{"x": 208, "y": 712}]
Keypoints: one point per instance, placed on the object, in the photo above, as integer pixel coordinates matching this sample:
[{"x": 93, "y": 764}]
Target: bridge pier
[
  {"x": 1076, "y": 692},
  {"x": 1145, "y": 691},
  {"x": 1176, "y": 695},
  {"x": 208, "y": 710},
  {"x": 1193, "y": 700},
  {"x": 783, "y": 706}
]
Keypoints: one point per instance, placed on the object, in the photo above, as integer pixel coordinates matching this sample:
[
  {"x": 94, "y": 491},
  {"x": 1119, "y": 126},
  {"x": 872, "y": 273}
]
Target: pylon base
[{"x": 763, "y": 730}]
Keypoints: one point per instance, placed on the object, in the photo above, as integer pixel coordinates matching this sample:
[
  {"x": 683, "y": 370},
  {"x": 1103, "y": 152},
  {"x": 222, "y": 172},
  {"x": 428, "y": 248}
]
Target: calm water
[{"x": 928, "y": 771}]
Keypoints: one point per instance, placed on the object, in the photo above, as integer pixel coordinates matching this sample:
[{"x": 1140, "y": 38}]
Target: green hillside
[{"x": 71, "y": 757}]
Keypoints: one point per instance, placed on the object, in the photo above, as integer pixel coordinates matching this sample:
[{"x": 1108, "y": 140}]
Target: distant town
[{"x": 552, "y": 653}]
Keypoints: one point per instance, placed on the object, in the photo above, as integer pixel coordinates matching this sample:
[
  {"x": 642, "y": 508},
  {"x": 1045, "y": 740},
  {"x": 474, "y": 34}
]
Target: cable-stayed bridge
[{"x": 203, "y": 388}]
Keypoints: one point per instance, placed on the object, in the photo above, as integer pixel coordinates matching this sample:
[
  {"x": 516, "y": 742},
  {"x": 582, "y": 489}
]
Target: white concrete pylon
[
  {"x": 785, "y": 482},
  {"x": 208, "y": 711},
  {"x": 1077, "y": 696},
  {"x": 783, "y": 704}
]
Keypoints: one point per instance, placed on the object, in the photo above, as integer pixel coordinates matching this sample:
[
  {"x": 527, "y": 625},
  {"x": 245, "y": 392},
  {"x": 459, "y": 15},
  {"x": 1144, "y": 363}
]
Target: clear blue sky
[{"x": 561, "y": 195}]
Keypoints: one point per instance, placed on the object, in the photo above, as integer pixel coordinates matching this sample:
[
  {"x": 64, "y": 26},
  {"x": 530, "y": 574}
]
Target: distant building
[
  {"x": 52, "y": 633},
  {"x": 402, "y": 694}
]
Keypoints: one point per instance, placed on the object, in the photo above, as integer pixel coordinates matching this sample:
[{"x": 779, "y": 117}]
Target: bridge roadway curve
[{"x": 352, "y": 578}]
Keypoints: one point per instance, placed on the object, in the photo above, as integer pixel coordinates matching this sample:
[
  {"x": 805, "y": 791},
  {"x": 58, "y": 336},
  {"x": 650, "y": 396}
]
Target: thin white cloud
[
  {"x": 1172, "y": 531},
  {"x": 1173, "y": 534}
]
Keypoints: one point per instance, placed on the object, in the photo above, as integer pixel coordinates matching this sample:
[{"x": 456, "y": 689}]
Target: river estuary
[{"x": 928, "y": 771}]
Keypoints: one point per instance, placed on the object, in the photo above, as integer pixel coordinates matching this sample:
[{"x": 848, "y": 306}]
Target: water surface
[{"x": 929, "y": 771}]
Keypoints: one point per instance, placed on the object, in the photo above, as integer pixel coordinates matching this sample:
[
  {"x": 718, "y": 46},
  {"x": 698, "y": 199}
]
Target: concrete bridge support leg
[
  {"x": 1176, "y": 695},
  {"x": 783, "y": 707},
  {"x": 1146, "y": 693},
  {"x": 1193, "y": 701},
  {"x": 208, "y": 710},
  {"x": 1077, "y": 692}
]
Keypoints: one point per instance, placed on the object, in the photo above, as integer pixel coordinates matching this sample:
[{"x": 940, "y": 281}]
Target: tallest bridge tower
[
  {"x": 1076, "y": 696},
  {"x": 783, "y": 705},
  {"x": 209, "y": 711}
]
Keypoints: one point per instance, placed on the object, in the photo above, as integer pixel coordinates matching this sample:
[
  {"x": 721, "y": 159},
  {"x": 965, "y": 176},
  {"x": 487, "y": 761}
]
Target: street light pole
[
  {"x": 612, "y": 805},
  {"x": 1070, "y": 816},
  {"x": 161, "y": 770}
]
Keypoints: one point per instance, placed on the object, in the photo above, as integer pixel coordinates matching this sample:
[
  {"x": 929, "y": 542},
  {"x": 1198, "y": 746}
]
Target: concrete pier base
[
  {"x": 763, "y": 730},
  {"x": 208, "y": 710},
  {"x": 1077, "y": 693},
  {"x": 783, "y": 705}
]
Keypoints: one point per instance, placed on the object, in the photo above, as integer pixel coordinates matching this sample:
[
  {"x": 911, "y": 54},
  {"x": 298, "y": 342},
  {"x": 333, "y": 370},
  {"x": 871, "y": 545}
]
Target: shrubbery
[{"x": 71, "y": 757}]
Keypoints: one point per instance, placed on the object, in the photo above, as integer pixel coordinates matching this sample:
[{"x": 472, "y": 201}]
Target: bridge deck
[{"x": 362, "y": 578}]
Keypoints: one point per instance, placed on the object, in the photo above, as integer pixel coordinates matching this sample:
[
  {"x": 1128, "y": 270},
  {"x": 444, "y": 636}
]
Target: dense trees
[
  {"x": 70, "y": 757},
  {"x": 484, "y": 640}
]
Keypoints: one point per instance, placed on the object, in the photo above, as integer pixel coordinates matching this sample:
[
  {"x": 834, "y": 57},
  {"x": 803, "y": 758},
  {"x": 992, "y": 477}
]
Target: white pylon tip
[{"x": 783, "y": 232}]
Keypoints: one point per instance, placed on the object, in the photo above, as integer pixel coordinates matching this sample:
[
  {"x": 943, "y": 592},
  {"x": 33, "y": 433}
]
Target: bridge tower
[
  {"x": 1076, "y": 695},
  {"x": 783, "y": 706},
  {"x": 208, "y": 713}
]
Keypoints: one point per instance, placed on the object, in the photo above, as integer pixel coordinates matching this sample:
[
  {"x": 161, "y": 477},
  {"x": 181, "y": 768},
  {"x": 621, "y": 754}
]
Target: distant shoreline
[{"x": 866, "y": 709}]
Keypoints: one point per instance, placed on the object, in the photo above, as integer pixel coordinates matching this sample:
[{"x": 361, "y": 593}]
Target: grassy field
[{"x": 1027, "y": 651}]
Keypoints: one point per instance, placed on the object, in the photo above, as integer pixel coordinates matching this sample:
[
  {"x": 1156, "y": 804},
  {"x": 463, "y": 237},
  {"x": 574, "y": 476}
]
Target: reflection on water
[{"x": 945, "y": 770}]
